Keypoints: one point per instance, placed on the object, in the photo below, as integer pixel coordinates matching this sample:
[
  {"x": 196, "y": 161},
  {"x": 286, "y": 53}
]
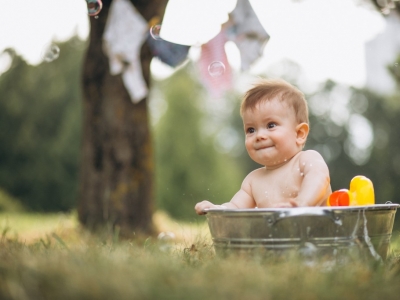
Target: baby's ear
[{"x": 301, "y": 133}]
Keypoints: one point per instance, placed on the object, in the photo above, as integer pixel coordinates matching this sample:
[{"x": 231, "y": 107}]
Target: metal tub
[{"x": 325, "y": 230}]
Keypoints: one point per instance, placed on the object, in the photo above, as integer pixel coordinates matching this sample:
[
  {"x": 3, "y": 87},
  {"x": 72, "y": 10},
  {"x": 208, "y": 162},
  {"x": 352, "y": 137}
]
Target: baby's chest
[{"x": 273, "y": 188}]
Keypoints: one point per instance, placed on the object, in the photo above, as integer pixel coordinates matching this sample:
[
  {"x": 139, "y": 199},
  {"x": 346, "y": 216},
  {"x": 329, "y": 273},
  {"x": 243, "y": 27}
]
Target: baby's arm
[
  {"x": 315, "y": 187},
  {"x": 201, "y": 206},
  {"x": 242, "y": 199}
]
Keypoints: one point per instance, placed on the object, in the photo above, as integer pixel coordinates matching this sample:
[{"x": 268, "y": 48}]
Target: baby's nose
[{"x": 262, "y": 134}]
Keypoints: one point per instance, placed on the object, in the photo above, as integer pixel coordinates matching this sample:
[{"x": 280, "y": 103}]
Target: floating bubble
[
  {"x": 216, "y": 69},
  {"x": 166, "y": 240},
  {"x": 155, "y": 32},
  {"x": 50, "y": 53},
  {"x": 166, "y": 236},
  {"x": 94, "y": 7}
]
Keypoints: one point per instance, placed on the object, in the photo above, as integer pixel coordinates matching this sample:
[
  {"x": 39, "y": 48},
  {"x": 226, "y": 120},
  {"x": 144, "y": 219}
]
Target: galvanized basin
[{"x": 328, "y": 230}]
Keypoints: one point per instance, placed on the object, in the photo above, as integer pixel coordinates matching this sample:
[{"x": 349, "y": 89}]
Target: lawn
[{"x": 51, "y": 257}]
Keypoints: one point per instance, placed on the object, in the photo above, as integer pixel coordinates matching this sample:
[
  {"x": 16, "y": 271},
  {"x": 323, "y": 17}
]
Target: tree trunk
[{"x": 116, "y": 186}]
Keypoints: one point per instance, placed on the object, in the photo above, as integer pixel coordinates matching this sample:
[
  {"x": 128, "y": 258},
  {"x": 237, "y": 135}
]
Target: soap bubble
[
  {"x": 50, "y": 53},
  {"x": 155, "y": 32},
  {"x": 94, "y": 7},
  {"x": 216, "y": 69},
  {"x": 165, "y": 240}
]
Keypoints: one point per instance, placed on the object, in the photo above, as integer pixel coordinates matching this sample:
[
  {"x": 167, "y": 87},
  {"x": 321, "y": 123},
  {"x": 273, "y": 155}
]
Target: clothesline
[{"x": 126, "y": 30}]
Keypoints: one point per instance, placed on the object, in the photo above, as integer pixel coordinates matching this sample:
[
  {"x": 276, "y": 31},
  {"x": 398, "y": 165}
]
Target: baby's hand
[{"x": 205, "y": 204}]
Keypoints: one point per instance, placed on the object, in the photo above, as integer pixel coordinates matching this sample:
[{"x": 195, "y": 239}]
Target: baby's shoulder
[
  {"x": 314, "y": 159},
  {"x": 257, "y": 173},
  {"x": 307, "y": 155}
]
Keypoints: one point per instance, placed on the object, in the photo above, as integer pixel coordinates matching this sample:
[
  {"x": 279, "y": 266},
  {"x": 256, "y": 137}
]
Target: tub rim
[{"x": 308, "y": 210}]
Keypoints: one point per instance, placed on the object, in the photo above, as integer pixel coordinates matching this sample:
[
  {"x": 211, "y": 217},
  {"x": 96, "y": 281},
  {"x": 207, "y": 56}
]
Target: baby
[{"x": 276, "y": 126}]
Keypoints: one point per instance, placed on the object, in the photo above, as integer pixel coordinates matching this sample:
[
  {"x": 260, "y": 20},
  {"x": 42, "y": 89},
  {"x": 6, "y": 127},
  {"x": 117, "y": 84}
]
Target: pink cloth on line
[{"x": 211, "y": 52}]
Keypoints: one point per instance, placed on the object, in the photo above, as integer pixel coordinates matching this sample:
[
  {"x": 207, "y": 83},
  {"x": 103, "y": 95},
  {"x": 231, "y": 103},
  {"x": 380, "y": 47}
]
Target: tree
[
  {"x": 116, "y": 185},
  {"x": 40, "y": 118}
]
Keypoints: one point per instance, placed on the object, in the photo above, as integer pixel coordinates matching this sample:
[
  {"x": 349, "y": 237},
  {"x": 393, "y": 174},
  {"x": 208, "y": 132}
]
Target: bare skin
[{"x": 290, "y": 177}]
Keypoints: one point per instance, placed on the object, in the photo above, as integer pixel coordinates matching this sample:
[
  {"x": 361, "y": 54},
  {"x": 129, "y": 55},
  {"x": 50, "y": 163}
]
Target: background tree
[
  {"x": 116, "y": 185},
  {"x": 40, "y": 126}
]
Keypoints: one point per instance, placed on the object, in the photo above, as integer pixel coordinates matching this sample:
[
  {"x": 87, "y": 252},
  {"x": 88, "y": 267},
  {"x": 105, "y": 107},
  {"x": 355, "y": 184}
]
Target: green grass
[
  {"x": 28, "y": 227},
  {"x": 66, "y": 262}
]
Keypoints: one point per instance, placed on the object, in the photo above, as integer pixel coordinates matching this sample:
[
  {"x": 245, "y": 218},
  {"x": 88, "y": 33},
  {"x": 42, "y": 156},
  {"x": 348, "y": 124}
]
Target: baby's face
[{"x": 271, "y": 133}]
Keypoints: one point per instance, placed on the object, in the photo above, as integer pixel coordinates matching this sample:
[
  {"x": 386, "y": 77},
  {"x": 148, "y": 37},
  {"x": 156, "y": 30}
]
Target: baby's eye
[
  {"x": 271, "y": 125},
  {"x": 250, "y": 130}
]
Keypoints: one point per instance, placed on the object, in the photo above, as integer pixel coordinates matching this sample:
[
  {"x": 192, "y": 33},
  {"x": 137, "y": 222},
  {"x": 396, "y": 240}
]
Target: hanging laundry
[
  {"x": 125, "y": 32},
  {"x": 169, "y": 53},
  {"x": 246, "y": 31},
  {"x": 214, "y": 51}
]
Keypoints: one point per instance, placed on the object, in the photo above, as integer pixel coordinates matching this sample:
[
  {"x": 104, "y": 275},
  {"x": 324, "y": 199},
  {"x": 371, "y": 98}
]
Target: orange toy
[{"x": 339, "y": 198}]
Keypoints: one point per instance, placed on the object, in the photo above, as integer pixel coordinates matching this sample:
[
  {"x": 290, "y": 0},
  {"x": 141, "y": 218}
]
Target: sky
[{"x": 325, "y": 37}]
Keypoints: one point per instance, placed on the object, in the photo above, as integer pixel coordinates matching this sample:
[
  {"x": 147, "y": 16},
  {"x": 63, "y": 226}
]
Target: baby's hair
[{"x": 268, "y": 89}]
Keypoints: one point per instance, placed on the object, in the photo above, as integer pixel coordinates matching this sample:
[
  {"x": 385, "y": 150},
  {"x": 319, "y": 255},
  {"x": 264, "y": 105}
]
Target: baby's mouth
[{"x": 264, "y": 147}]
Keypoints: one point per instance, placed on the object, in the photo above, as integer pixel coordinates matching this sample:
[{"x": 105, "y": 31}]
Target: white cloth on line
[{"x": 123, "y": 38}]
